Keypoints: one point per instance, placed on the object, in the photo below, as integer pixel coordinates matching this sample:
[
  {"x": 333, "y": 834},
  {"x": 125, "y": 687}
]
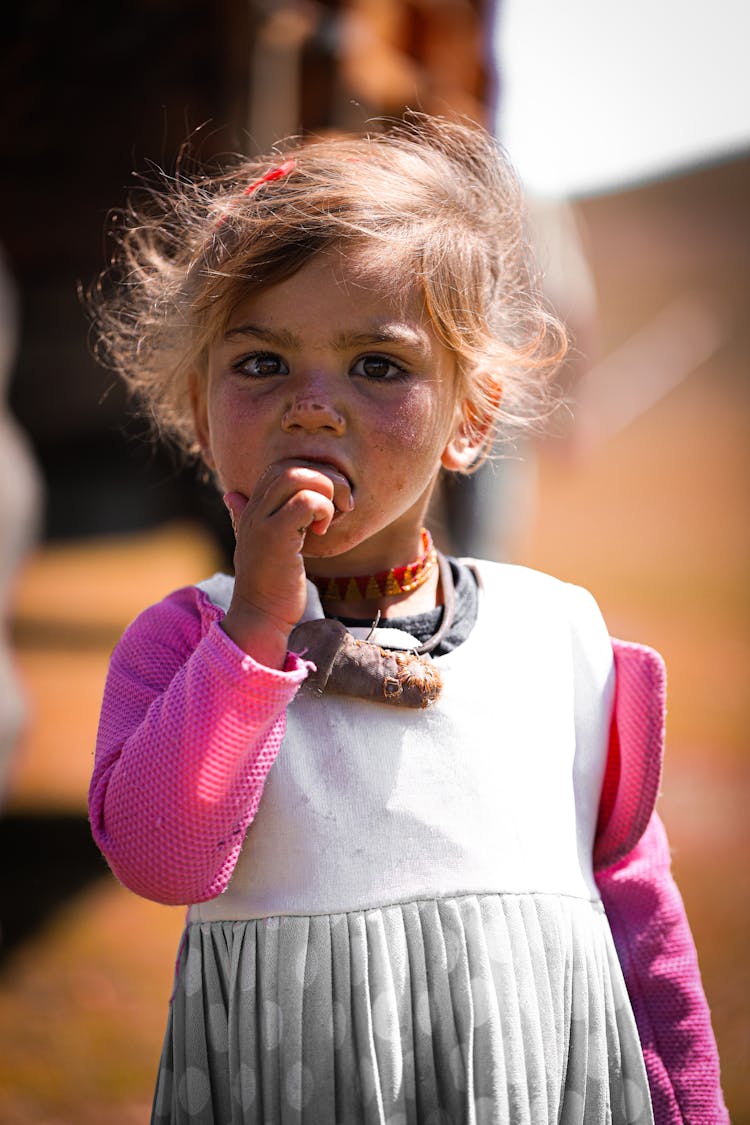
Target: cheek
[
  {"x": 232, "y": 419},
  {"x": 230, "y": 450},
  {"x": 417, "y": 433},
  {"x": 421, "y": 421},
  {"x": 408, "y": 444}
]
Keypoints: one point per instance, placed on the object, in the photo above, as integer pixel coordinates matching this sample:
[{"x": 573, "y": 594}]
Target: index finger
[{"x": 313, "y": 471}]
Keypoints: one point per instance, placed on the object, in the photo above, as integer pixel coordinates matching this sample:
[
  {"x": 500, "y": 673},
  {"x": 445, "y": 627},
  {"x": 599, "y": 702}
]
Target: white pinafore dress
[{"x": 413, "y": 933}]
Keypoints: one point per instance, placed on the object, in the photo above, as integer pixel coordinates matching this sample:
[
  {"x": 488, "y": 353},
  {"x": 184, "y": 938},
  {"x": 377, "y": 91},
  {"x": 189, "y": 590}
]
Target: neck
[
  {"x": 387, "y": 592},
  {"x": 366, "y": 609}
]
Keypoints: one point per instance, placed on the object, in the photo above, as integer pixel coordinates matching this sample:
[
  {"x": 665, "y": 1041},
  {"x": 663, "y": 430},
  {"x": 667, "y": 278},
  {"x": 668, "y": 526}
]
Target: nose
[{"x": 313, "y": 413}]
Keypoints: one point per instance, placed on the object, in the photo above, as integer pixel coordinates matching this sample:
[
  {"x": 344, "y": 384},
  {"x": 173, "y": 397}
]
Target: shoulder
[
  {"x": 182, "y": 631},
  {"x": 636, "y": 751},
  {"x": 559, "y": 621},
  {"x": 216, "y": 590},
  {"x": 176, "y": 624},
  {"x": 512, "y": 577},
  {"x": 539, "y": 595}
]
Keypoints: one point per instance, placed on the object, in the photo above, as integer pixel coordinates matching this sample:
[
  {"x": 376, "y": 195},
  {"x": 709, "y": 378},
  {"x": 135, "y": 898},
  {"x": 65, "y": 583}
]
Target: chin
[
  {"x": 330, "y": 545},
  {"x": 323, "y": 550}
]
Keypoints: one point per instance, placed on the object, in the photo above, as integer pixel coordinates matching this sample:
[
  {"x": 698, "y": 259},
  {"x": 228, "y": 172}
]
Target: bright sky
[{"x": 601, "y": 94}]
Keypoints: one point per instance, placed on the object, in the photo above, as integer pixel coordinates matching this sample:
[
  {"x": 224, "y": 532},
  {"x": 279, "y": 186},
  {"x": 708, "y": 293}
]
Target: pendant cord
[{"x": 449, "y": 606}]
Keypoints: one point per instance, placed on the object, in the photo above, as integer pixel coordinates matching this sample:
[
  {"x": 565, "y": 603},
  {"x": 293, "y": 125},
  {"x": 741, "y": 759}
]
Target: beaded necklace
[{"x": 384, "y": 584}]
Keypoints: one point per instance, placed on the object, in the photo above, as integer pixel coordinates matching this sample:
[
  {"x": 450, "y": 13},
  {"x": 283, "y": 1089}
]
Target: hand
[{"x": 292, "y": 499}]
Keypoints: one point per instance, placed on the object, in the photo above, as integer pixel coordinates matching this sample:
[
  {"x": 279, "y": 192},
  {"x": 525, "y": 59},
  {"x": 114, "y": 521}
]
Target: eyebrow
[
  {"x": 397, "y": 333},
  {"x": 281, "y": 339}
]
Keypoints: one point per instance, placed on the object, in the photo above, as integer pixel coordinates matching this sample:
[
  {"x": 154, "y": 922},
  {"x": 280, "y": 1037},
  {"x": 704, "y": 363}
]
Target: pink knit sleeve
[
  {"x": 636, "y": 750},
  {"x": 645, "y": 911},
  {"x": 660, "y": 966},
  {"x": 189, "y": 728}
]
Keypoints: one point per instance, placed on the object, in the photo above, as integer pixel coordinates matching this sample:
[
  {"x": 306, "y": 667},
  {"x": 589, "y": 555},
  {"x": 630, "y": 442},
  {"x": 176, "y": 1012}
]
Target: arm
[
  {"x": 190, "y": 726},
  {"x": 660, "y": 966},
  {"x": 644, "y": 907}
]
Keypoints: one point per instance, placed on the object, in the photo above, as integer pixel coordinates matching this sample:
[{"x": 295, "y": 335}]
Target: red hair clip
[{"x": 276, "y": 173}]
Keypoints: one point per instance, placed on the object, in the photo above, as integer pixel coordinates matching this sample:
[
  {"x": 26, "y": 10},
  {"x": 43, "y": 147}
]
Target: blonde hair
[{"x": 437, "y": 200}]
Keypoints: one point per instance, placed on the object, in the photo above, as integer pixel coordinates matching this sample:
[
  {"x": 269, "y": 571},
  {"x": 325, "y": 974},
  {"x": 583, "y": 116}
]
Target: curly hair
[{"x": 437, "y": 201}]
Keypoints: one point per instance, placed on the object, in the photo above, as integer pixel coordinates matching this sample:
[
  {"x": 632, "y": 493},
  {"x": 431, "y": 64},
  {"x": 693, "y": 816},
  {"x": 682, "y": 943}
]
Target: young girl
[{"x": 409, "y": 800}]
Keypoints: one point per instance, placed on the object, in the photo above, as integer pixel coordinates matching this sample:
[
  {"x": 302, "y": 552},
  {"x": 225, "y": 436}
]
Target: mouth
[
  {"x": 326, "y": 463},
  {"x": 337, "y": 470}
]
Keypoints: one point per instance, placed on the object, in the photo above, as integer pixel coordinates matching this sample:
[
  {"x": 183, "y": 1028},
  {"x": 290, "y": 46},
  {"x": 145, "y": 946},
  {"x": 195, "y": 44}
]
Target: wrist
[{"x": 263, "y": 638}]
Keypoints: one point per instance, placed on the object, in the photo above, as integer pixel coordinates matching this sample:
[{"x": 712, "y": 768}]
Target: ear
[
  {"x": 471, "y": 438},
  {"x": 199, "y": 410}
]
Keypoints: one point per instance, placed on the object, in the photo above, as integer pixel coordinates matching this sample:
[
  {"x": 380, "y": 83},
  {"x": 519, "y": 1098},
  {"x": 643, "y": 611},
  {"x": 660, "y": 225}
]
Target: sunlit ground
[{"x": 654, "y": 521}]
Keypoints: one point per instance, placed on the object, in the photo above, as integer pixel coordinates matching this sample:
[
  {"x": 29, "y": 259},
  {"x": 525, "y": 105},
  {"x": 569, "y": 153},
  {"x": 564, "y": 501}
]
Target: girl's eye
[
  {"x": 261, "y": 365},
  {"x": 378, "y": 367}
]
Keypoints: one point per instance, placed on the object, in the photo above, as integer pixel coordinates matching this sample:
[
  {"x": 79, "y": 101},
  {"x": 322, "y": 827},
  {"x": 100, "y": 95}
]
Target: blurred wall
[{"x": 88, "y": 94}]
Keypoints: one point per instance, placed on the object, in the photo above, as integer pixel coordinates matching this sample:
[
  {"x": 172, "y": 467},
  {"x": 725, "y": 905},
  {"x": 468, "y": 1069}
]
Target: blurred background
[{"x": 632, "y": 135}]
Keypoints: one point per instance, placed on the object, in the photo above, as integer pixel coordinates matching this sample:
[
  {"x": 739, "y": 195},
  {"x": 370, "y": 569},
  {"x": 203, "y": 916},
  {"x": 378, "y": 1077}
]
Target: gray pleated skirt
[{"x": 493, "y": 1008}]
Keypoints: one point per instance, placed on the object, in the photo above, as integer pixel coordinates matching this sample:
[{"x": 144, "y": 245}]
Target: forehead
[{"x": 334, "y": 292}]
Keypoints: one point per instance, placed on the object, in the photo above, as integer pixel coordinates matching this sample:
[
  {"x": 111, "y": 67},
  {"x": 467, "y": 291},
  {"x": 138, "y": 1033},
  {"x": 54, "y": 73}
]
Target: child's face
[{"x": 329, "y": 370}]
